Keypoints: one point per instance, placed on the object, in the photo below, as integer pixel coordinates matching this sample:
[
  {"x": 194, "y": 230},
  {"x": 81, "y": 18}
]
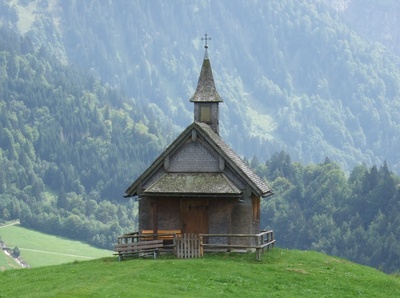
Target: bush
[{"x": 15, "y": 252}]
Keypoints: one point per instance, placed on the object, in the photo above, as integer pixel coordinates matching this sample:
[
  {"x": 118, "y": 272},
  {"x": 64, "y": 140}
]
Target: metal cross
[{"x": 206, "y": 38}]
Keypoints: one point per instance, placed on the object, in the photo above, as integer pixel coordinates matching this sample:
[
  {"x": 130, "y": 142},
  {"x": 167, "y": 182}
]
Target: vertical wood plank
[
  {"x": 201, "y": 246},
  {"x": 188, "y": 245}
]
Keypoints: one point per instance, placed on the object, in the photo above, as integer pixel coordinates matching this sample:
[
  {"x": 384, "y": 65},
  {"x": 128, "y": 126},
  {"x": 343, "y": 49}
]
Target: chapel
[{"x": 199, "y": 184}]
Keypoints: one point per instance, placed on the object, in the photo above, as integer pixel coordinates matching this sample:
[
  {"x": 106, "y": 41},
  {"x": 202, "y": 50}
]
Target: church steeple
[{"x": 206, "y": 97}]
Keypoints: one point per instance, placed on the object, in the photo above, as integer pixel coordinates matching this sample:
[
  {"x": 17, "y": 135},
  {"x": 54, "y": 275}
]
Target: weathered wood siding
[
  {"x": 169, "y": 214},
  {"x": 225, "y": 215},
  {"x": 145, "y": 214},
  {"x": 194, "y": 156}
]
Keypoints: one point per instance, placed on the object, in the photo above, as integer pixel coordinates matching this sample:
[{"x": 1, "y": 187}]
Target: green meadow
[
  {"x": 7, "y": 263},
  {"x": 38, "y": 249},
  {"x": 65, "y": 268},
  {"x": 280, "y": 273}
]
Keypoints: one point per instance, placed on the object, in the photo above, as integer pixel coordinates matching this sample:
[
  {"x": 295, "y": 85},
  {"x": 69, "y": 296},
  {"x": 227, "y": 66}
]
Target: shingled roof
[
  {"x": 256, "y": 184},
  {"x": 206, "y": 91},
  {"x": 190, "y": 184}
]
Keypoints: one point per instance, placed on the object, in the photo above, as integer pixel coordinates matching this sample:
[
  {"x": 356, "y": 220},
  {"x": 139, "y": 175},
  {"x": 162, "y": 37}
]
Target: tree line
[{"x": 320, "y": 207}]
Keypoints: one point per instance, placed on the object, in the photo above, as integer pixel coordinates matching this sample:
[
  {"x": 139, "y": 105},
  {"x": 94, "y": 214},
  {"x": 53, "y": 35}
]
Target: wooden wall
[{"x": 225, "y": 216}]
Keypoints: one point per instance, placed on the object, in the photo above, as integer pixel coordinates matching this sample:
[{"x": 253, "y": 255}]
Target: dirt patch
[
  {"x": 334, "y": 260},
  {"x": 297, "y": 270}
]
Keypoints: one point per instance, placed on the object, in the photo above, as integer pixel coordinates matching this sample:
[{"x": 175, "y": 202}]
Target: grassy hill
[
  {"x": 281, "y": 273},
  {"x": 7, "y": 263},
  {"x": 38, "y": 249}
]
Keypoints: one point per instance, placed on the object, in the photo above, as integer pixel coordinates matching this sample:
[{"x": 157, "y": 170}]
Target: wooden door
[{"x": 194, "y": 216}]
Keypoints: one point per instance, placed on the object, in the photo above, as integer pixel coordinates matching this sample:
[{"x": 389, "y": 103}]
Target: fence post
[
  {"x": 258, "y": 255},
  {"x": 201, "y": 245},
  {"x": 272, "y": 238}
]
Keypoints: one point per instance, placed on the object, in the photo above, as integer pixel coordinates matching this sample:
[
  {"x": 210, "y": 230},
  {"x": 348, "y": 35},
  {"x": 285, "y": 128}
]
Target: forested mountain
[
  {"x": 68, "y": 146},
  {"x": 376, "y": 21},
  {"x": 92, "y": 91},
  {"x": 293, "y": 74}
]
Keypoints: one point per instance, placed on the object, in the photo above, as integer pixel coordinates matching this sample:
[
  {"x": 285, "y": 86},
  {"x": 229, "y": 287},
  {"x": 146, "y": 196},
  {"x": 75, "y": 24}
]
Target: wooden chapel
[{"x": 199, "y": 184}]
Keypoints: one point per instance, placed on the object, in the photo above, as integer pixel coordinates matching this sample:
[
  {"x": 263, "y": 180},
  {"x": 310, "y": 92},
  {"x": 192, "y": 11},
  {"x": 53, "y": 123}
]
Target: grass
[
  {"x": 38, "y": 249},
  {"x": 281, "y": 273},
  {"x": 7, "y": 263}
]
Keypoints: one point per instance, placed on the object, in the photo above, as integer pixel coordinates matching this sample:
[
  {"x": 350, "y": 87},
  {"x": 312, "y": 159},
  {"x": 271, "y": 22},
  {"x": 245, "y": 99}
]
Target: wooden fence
[
  {"x": 188, "y": 246},
  {"x": 262, "y": 240},
  {"x": 193, "y": 245}
]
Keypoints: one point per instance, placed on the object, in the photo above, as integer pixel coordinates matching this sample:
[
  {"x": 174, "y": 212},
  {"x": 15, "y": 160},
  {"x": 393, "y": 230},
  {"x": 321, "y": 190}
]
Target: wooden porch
[{"x": 195, "y": 245}]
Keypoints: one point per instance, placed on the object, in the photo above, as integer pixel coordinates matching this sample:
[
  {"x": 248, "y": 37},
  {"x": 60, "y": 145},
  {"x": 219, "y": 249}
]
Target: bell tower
[{"x": 206, "y": 98}]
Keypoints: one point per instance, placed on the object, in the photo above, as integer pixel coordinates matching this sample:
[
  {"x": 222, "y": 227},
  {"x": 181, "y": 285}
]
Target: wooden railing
[
  {"x": 194, "y": 245},
  {"x": 262, "y": 240},
  {"x": 128, "y": 238},
  {"x": 168, "y": 236},
  {"x": 141, "y": 247}
]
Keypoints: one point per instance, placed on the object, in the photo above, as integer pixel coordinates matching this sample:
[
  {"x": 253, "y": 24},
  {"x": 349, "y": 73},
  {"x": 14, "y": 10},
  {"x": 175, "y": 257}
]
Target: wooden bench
[
  {"x": 161, "y": 234},
  {"x": 126, "y": 249}
]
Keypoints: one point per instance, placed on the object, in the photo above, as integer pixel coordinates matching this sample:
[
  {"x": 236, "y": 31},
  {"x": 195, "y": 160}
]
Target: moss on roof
[{"x": 193, "y": 183}]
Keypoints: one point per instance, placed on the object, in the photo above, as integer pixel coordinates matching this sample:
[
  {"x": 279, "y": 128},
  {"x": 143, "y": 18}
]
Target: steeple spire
[
  {"x": 206, "y": 91},
  {"x": 206, "y": 97}
]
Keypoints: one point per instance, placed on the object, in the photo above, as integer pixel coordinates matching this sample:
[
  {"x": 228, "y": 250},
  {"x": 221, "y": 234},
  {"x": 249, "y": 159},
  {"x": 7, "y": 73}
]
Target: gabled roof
[
  {"x": 191, "y": 184},
  {"x": 206, "y": 91},
  {"x": 256, "y": 184}
]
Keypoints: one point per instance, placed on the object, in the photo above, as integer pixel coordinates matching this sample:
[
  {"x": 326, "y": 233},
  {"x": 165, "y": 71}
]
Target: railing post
[
  {"x": 258, "y": 256},
  {"x": 272, "y": 238},
  {"x": 262, "y": 241},
  {"x": 201, "y": 246}
]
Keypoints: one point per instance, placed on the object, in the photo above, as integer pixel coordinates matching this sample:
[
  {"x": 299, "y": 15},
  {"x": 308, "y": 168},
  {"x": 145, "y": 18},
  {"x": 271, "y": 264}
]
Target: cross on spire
[{"x": 206, "y": 38}]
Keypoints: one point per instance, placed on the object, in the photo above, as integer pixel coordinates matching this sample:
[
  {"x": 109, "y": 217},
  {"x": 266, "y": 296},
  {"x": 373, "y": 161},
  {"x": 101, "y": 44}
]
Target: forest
[
  {"x": 319, "y": 207},
  {"x": 300, "y": 76},
  {"x": 85, "y": 107},
  {"x": 68, "y": 146}
]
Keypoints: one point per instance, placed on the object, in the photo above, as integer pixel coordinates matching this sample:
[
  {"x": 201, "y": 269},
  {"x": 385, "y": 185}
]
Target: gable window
[{"x": 205, "y": 113}]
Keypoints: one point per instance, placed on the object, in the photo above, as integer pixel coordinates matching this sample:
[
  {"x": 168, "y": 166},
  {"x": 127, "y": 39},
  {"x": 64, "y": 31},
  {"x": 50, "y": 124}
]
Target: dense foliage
[
  {"x": 317, "y": 207},
  {"x": 374, "y": 20},
  {"x": 293, "y": 74},
  {"x": 68, "y": 146}
]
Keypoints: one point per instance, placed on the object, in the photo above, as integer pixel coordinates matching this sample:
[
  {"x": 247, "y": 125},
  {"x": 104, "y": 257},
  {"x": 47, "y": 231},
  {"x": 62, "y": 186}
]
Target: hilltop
[{"x": 281, "y": 273}]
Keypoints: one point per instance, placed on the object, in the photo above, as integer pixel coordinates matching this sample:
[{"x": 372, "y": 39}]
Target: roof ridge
[{"x": 235, "y": 158}]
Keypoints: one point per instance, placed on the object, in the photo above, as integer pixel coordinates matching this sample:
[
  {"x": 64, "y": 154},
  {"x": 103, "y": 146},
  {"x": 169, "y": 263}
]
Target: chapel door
[{"x": 194, "y": 215}]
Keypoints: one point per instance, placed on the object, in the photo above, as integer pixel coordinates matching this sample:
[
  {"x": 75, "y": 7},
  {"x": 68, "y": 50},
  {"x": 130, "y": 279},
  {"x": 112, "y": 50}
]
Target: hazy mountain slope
[
  {"x": 68, "y": 146},
  {"x": 292, "y": 74},
  {"x": 377, "y": 21}
]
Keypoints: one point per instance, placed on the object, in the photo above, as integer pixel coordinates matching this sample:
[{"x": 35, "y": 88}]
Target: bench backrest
[
  {"x": 140, "y": 245},
  {"x": 146, "y": 232}
]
